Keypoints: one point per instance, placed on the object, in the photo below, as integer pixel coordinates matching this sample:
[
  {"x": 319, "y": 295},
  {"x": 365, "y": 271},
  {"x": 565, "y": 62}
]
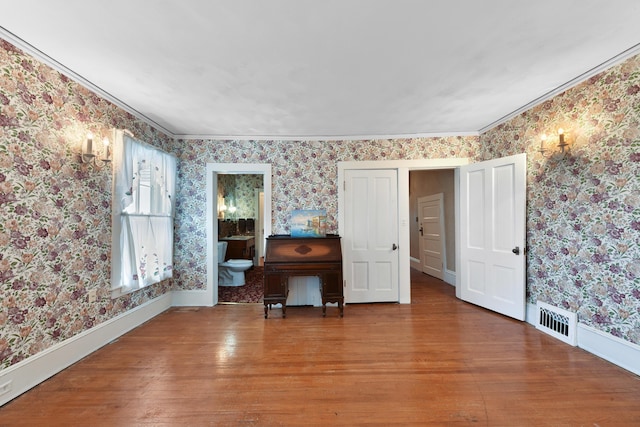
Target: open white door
[
  {"x": 492, "y": 234},
  {"x": 370, "y": 239},
  {"x": 431, "y": 243}
]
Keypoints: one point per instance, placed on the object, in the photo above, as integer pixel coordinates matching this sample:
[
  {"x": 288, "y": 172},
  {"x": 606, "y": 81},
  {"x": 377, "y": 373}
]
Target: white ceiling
[{"x": 325, "y": 68}]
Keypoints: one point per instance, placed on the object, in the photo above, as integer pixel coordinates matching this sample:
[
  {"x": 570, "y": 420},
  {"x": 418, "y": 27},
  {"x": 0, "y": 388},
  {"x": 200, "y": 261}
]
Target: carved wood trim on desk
[{"x": 288, "y": 256}]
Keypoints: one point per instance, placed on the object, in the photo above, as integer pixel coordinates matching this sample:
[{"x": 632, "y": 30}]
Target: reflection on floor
[{"x": 252, "y": 291}]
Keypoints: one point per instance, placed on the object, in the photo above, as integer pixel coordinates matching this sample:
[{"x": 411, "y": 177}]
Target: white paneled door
[
  {"x": 492, "y": 234},
  {"x": 431, "y": 243},
  {"x": 370, "y": 238}
]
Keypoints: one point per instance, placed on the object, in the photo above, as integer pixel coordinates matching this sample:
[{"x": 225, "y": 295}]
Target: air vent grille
[{"x": 557, "y": 322}]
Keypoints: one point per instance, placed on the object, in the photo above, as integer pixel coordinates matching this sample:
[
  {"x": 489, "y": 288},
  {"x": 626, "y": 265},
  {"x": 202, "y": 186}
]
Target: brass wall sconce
[
  {"x": 563, "y": 145},
  {"x": 88, "y": 155}
]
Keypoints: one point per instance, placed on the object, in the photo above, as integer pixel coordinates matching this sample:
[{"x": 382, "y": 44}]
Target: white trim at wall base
[
  {"x": 606, "y": 346},
  {"x": 32, "y": 371},
  {"x": 415, "y": 263},
  {"x": 191, "y": 299},
  {"x": 450, "y": 277},
  {"x": 617, "y": 351},
  {"x": 530, "y": 314}
]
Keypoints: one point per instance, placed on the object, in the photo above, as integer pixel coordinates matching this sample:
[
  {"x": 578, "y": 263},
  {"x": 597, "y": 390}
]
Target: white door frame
[
  {"x": 403, "y": 167},
  {"x": 259, "y": 225},
  {"x": 210, "y": 296}
]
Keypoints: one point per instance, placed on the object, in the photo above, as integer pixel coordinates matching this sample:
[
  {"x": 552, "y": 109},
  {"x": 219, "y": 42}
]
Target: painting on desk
[{"x": 309, "y": 223}]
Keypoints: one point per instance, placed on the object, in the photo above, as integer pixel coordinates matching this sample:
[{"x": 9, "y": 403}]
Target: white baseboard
[
  {"x": 611, "y": 348},
  {"x": 617, "y": 351},
  {"x": 32, "y": 371},
  {"x": 530, "y": 314},
  {"x": 450, "y": 277},
  {"x": 191, "y": 299}
]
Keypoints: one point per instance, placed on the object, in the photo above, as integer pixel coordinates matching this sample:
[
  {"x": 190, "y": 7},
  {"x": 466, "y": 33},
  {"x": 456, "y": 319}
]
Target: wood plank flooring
[{"x": 438, "y": 361}]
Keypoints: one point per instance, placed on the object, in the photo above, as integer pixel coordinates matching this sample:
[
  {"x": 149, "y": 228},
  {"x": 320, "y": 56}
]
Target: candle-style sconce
[
  {"x": 232, "y": 211},
  {"x": 88, "y": 155},
  {"x": 222, "y": 208},
  {"x": 560, "y": 149}
]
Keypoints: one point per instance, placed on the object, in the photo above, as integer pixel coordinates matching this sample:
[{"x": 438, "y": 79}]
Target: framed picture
[{"x": 309, "y": 223}]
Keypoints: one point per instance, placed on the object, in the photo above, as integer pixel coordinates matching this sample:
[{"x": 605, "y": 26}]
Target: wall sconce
[
  {"x": 222, "y": 207},
  {"x": 562, "y": 144},
  {"x": 87, "y": 154}
]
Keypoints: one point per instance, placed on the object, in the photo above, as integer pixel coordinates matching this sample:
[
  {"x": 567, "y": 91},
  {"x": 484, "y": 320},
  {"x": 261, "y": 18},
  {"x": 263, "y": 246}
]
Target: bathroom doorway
[
  {"x": 216, "y": 199},
  {"x": 239, "y": 213},
  {"x": 240, "y": 232}
]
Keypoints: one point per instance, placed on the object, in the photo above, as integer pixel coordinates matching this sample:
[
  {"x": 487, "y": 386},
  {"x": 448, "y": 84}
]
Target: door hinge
[
  {"x": 344, "y": 185},
  {"x": 344, "y": 283}
]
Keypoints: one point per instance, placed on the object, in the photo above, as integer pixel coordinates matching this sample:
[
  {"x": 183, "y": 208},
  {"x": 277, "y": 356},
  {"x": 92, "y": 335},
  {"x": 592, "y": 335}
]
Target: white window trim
[{"x": 117, "y": 288}]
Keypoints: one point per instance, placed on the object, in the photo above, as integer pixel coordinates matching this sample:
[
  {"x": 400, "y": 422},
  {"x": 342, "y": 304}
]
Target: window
[{"x": 143, "y": 210}]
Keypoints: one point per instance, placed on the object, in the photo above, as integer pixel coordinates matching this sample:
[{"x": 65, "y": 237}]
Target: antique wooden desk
[{"x": 288, "y": 256}]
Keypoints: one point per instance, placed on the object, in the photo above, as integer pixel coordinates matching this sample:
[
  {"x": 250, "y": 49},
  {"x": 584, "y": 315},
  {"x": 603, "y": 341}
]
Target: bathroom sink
[{"x": 238, "y": 238}]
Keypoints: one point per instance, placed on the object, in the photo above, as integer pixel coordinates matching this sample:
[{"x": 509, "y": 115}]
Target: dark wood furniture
[
  {"x": 240, "y": 248},
  {"x": 288, "y": 256}
]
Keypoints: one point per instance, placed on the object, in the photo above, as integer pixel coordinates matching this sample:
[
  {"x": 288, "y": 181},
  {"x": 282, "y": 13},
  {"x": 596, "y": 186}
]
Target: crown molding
[
  {"x": 632, "y": 51},
  {"x": 61, "y": 68},
  {"x": 361, "y": 137},
  {"x": 44, "y": 58}
]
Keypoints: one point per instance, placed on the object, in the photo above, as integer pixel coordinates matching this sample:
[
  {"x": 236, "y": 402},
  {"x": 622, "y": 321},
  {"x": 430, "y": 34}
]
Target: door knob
[
  {"x": 516, "y": 250},
  {"x": 421, "y": 230},
  {"x": 394, "y": 247}
]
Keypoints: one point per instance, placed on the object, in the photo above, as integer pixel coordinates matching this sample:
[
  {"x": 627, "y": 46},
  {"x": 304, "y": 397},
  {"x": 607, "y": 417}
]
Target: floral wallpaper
[
  {"x": 305, "y": 175},
  {"x": 245, "y": 194},
  {"x": 583, "y": 228},
  {"x": 240, "y": 189},
  {"x": 583, "y": 218},
  {"x": 55, "y": 232}
]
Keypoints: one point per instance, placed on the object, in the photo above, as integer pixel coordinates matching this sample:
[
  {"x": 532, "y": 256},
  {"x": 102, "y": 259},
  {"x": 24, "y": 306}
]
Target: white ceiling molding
[
  {"x": 330, "y": 70},
  {"x": 323, "y": 137},
  {"x": 47, "y": 60},
  {"x": 572, "y": 83}
]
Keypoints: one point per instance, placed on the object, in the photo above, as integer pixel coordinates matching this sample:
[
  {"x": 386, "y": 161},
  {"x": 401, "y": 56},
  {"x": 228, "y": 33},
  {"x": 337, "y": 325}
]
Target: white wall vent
[{"x": 557, "y": 322}]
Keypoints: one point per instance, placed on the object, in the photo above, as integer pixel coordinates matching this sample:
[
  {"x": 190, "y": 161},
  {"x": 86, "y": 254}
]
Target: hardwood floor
[{"x": 438, "y": 361}]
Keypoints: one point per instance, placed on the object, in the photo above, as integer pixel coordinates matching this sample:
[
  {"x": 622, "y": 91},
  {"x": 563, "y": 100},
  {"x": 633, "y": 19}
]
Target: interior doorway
[
  {"x": 240, "y": 213},
  {"x": 423, "y": 183},
  {"x": 213, "y": 172},
  {"x": 404, "y": 214}
]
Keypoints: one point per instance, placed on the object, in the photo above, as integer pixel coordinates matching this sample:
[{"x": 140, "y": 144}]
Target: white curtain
[{"x": 143, "y": 210}]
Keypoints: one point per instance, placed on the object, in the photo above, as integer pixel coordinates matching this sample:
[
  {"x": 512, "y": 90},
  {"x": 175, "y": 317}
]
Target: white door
[
  {"x": 492, "y": 234},
  {"x": 430, "y": 213},
  {"x": 370, "y": 238}
]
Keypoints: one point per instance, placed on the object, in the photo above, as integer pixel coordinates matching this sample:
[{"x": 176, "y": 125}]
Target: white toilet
[{"x": 231, "y": 272}]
